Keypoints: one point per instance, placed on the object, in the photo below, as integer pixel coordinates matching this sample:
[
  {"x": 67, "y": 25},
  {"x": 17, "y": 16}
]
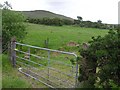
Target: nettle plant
[{"x": 100, "y": 63}]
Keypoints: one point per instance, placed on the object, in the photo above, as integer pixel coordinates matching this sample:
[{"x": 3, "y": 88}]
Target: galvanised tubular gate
[{"x": 43, "y": 76}]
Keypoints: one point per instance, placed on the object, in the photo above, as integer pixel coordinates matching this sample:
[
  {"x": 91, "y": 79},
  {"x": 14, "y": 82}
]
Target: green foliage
[
  {"x": 79, "y": 18},
  {"x": 50, "y": 21},
  {"x": 46, "y": 21},
  {"x": 67, "y": 22},
  {"x": 99, "y": 21},
  {"x": 12, "y": 25},
  {"x": 98, "y": 24},
  {"x": 103, "y": 53},
  {"x": 72, "y": 61}
]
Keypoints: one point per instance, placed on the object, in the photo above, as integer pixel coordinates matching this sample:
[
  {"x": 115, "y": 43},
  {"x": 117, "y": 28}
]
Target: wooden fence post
[
  {"x": 46, "y": 42},
  {"x": 9, "y": 50},
  {"x": 13, "y": 52}
]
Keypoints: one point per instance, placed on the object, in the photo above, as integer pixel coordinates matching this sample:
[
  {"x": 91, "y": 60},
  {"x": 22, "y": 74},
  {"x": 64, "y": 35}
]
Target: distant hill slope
[{"x": 43, "y": 13}]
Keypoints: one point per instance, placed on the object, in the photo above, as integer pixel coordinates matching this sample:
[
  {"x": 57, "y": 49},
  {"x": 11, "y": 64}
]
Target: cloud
[
  {"x": 56, "y": 4},
  {"x": 105, "y": 10}
]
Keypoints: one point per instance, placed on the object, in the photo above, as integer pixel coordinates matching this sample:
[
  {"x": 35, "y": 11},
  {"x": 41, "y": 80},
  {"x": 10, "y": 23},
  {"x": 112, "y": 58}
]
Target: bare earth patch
[{"x": 72, "y": 44}]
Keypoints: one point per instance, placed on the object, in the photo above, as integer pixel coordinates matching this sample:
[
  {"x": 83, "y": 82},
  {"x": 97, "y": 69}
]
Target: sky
[
  {"x": 119, "y": 13},
  {"x": 93, "y": 10}
]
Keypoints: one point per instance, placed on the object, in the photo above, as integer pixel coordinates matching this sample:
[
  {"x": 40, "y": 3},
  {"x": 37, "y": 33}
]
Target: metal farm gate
[{"x": 53, "y": 68}]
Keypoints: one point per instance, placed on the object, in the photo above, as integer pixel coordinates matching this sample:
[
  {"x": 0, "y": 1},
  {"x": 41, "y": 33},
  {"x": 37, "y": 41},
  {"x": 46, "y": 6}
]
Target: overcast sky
[{"x": 93, "y": 10}]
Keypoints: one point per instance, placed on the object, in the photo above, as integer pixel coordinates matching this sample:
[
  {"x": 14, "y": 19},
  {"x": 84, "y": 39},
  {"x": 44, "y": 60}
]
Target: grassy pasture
[
  {"x": 11, "y": 78},
  {"x": 60, "y": 69},
  {"x": 60, "y": 36},
  {"x": 58, "y": 63}
]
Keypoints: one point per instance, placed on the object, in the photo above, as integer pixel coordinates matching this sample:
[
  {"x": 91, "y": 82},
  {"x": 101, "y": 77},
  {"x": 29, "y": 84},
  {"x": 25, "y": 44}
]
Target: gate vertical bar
[
  {"x": 76, "y": 77},
  {"x": 29, "y": 53},
  {"x": 48, "y": 64}
]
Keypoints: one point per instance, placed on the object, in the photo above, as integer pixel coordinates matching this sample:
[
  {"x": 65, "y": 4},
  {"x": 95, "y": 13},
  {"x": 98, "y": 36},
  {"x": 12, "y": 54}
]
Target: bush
[
  {"x": 12, "y": 25},
  {"x": 67, "y": 22},
  {"x": 50, "y": 21},
  {"x": 102, "y": 55}
]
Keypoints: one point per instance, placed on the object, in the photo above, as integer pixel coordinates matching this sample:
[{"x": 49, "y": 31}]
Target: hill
[{"x": 42, "y": 13}]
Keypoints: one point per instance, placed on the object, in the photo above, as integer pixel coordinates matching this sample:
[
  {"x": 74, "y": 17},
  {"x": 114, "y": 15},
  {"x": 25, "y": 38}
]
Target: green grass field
[{"x": 59, "y": 36}]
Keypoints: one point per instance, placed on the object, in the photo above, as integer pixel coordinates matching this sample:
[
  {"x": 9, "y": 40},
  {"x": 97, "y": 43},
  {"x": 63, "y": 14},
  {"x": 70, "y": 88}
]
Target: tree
[
  {"x": 12, "y": 25},
  {"x": 6, "y": 5},
  {"x": 99, "y": 21},
  {"x": 79, "y": 18}
]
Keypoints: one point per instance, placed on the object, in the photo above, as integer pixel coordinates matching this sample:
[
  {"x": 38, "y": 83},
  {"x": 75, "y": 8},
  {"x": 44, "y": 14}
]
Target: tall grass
[{"x": 10, "y": 78}]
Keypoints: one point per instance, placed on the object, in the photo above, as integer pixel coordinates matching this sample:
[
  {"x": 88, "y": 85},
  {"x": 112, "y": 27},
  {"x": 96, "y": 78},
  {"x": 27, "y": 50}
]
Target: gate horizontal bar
[
  {"x": 47, "y": 67},
  {"x": 20, "y": 70},
  {"x": 46, "y": 49},
  {"x": 37, "y": 76},
  {"x": 29, "y": 61},
  {"x": 44, "y": 72},
  {"x": 44, "y": 77},
  {"x": 43, "y": 58},
  {"x": 29, "y": 54}
]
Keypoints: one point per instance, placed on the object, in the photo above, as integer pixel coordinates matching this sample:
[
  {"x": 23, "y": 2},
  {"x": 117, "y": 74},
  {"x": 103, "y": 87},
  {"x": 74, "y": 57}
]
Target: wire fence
[{"x": 53, "y": 68}]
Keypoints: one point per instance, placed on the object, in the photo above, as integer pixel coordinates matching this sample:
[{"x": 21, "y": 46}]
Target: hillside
[
  {"x": 43, "y": 13},
  {"x": 59, "y": 36}
]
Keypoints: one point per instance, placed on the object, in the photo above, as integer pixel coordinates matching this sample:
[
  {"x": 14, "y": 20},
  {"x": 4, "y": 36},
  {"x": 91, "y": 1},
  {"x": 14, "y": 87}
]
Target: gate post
[
  {"x": 9, "y": 51},
  {"x": 13, "y": 52}
]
